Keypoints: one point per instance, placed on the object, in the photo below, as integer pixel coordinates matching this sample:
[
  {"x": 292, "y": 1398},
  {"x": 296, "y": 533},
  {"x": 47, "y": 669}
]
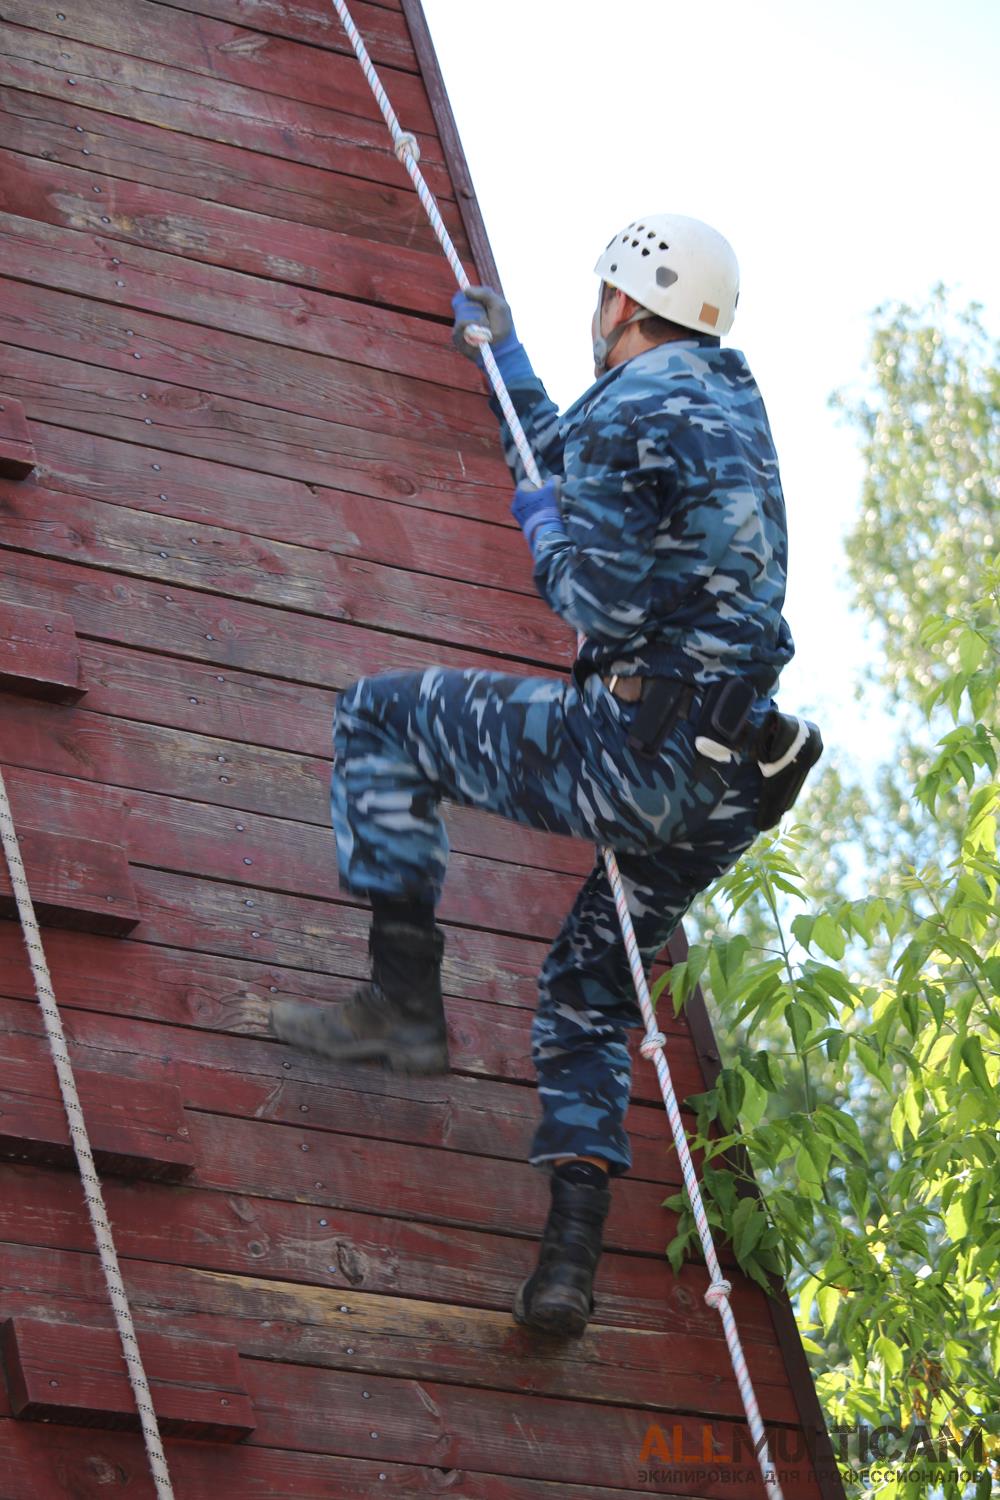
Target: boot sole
[{"x": 552, "y": 1316}]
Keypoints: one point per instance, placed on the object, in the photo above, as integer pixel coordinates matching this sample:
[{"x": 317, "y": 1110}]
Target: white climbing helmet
[{"x": 677, "y": 268}]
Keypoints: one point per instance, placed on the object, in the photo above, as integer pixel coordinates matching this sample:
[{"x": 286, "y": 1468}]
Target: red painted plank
[
  {"x": 353, "y": 1254},
  {"x": 229, "y": 54},
  {"x": 137, "y": 1127},
  {"x": 292, "y": 317},
  {"x": 209, "y": 917},
  {"x": 95, "y": 750},
  {"x": 489, "y": 1043},
  {"x": 207, "y": 107},
  {"x": 467, "y": 479},
  {"x": 257, "y": 711},
  {"x": 59, "y": 130},
  {"x": 17, "y": 452},
  {"x": 245, "y": 1076},
  {"x": 225, "y": 364},
  {"x": 504, "y": 1433},
  {"x": 81, "y": 883},
  {"x": 236, "y": 238},
  {"x": 39, "y": 653},
  {"x": 301, "y": 580},
  {"x": 384, "y": 29},
  {"x": 199, "y": 493},
  {"x": 270, "y": 854},
  {"x": 223, "y": 633},
  {"x": 60, "y": 1373},
  {"x": 403, "y": 1337},
  {"x": 65, "y": 1461}
]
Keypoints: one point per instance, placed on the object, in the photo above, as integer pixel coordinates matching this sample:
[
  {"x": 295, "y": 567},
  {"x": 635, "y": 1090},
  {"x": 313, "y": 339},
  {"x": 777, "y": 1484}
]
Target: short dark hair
[{"x": 656, "y": 329}]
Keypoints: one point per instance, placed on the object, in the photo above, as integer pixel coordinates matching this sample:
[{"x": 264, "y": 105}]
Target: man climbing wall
[{"x": 659, "y": 535}]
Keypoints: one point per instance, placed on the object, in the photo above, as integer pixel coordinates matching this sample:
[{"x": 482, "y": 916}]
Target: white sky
[{"x": 848, "y": 151}]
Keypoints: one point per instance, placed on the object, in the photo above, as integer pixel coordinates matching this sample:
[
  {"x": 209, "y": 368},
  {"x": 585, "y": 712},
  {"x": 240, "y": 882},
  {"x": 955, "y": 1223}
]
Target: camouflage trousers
[{"x": 553, "y": 756}]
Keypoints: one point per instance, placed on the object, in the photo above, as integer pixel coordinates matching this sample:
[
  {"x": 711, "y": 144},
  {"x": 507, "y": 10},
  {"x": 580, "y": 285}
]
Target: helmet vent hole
[
  {"x": 614, "y": 267},
  {"x": 651, "y": 235},
  {"x": 640, "y": 227},
  {"x": 665, "y": 277},
  {"x": 645, "y": 249},
  {"x": 635, "y": 244},
  {"x": 664, "y": 246}
]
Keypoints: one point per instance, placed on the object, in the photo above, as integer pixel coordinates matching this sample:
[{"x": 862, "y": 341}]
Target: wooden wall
[{"x": 261, "y": 471}]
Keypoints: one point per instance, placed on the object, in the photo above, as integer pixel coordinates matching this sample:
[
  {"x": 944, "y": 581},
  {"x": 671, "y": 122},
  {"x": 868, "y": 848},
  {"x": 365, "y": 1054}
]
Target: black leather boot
[
  {"x": 397, "y": 1018},
  {"x": 558, "y": 1297}
]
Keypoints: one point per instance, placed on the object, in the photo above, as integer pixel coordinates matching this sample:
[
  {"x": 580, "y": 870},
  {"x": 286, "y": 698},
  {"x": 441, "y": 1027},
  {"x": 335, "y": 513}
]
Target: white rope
[
  {"x": 81, "y": 1145},
  {"x": 652, "y": 1047}
]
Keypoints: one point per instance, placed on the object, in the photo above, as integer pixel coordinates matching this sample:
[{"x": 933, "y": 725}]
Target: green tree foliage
[{"x": 862, "y": 1086}]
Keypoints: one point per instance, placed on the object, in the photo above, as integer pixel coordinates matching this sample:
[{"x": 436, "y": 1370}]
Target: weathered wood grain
[
  {"x": 199, "y": 970},
  {"x": 59, "y": 130},
  {"x": 131, "y": 276},
  {"x": 302, "y": 580},
  {"x": 383, "y": 27},
  {"x": 60, "y": 1461},
  {"x": 226, "y": 633},
  {"x": 223, "y": 364},
  {"x": 39, "y": 653},
  {"x": 276, "y": 510},
  {"x": 58, "y": 1372},
  {"x": 466, "y": 480},
  {"x": 251, "y": 710},
  {"x": 360, "y": 526},
  {"x": 246, "y": 1076},
  {"x": 76, "y": 882},
  {"x": 137, "y": 1126},
  {"x": 229, "y": 54},
  {"x": 94, "y": 750},
  {"x": 353, "y": 1254},
  {"x": 209, "y": 108},
  {"x": 501, "y": 1432},
  {"x": 397, "y": 1336},
  {"x": 239, "y": 239}
]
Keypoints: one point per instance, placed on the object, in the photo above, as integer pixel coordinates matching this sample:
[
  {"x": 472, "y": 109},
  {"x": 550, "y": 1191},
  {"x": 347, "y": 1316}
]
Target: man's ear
[{"x": 622, "y": 305}]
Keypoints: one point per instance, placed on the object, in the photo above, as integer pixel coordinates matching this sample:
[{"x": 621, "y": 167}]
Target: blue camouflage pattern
[
  {"x": 676, "y": 552},
  {"x": 553, "y": 756},
  {"x": 673, "y": 564}
]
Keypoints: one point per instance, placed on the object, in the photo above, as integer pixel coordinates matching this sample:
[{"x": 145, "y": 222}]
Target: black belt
[{"x": 785, "y": 748}]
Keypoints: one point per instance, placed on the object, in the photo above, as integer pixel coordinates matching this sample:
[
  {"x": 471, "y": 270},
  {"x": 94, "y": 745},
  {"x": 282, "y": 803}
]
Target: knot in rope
[
  {"x": 407, "y": 145},
  {"x": 718, "y": 1292},
  {"x": 652, "y": 1043}
]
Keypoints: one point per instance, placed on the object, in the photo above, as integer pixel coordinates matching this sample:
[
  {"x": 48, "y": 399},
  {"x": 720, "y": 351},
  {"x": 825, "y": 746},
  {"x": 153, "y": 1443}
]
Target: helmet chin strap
[{"x": 603, "y": 345}]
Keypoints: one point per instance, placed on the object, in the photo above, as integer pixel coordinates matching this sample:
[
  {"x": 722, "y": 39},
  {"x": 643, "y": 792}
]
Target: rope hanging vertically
[
  {"x": 652, "y": 1047},
  {"x": 100, "y": 1223}
]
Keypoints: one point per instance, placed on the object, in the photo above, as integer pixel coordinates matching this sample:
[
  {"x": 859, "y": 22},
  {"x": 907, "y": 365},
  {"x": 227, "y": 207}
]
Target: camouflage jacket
[{"x": 676, "y": 550}]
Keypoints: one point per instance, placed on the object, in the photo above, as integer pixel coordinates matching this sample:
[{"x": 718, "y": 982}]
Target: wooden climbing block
[
  {"x": 39, "y": 654},
  {"x": 136, "y": 1129},
  {"x": 75, "y": 882},
  {"x": 60, "y": 1372},
  {"x": 17, "y": 451}
]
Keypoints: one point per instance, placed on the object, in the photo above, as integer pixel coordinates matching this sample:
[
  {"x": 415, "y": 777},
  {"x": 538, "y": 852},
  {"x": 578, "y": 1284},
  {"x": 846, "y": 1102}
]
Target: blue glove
[
  {"x": 480, "y": 304},
  {"x": 537, "y": 511}
]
